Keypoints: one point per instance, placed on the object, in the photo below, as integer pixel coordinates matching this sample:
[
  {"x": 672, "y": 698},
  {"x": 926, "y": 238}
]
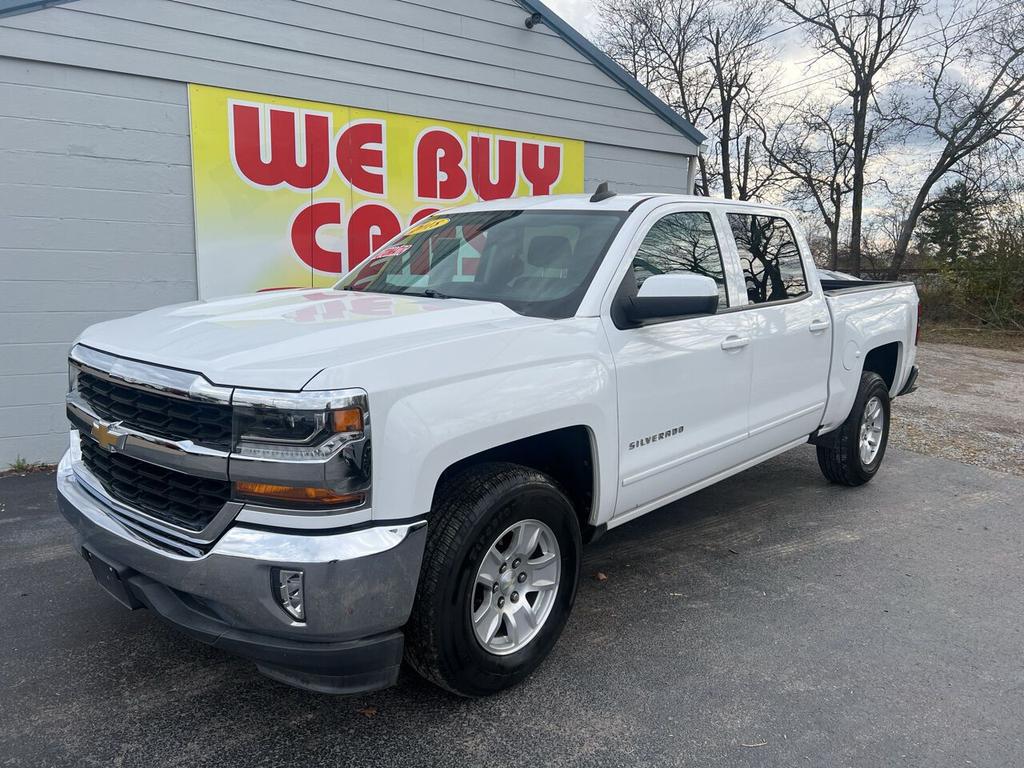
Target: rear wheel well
[
  {"x": 565, "y": 455},
  {"x": 883, "y": 361}
]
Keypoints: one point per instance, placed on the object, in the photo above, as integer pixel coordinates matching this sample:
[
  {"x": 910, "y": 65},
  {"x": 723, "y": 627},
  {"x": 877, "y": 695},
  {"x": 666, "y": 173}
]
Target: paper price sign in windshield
[{"x": 293, "y": 193}]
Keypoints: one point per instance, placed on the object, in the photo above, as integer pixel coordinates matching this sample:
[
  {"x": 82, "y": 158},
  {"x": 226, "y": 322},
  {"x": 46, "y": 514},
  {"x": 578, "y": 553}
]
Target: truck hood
[{"x": 281, "y": 340}]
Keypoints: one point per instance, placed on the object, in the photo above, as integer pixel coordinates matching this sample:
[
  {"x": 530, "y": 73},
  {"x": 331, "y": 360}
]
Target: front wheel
[
  {"x": 855, "y": 452},
  {"x": 498, "y": 580}
]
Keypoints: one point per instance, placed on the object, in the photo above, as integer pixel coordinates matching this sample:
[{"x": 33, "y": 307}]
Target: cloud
[{"x": 582, "y": 14}]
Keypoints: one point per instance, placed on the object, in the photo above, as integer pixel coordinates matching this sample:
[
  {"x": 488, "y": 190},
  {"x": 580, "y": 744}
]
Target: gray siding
[
  {"x": 95, "y": 223},
  {"x": 635, "y": 170},
  {"x": 471, "y": 61},
  {"x": 96, "y": 218}
]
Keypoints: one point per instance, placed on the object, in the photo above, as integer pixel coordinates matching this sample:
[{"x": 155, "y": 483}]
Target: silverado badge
[{"x": 655, "y": 437}]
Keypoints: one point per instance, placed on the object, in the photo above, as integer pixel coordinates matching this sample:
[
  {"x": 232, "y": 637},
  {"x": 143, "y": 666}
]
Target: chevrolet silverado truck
[{"x": 406, "y": 466}]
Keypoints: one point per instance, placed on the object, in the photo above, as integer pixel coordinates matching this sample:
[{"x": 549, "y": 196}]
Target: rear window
[
  {"x": 770, "y": 257},
  {"x": 537, "y": 263}
]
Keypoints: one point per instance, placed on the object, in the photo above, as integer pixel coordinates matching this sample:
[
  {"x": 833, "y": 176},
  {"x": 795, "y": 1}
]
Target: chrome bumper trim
[{"x": 358, "y": 583}]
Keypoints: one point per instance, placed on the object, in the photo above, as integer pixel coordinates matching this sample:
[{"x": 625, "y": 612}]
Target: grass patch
[
  {"x": 22, "y": 466},
  {"x": 987, "y": 338}
]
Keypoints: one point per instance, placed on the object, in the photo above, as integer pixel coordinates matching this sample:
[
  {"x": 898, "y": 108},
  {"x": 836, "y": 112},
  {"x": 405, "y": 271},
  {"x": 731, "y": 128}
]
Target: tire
[
  {"x": 473, "y": 509},
  {"x": 841, "y": 459}
]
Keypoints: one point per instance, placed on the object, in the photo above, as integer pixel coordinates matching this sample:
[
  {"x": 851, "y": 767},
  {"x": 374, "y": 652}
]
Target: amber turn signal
[
  {"x": 318, "y": 496},
  {"x": 347, "y": 420}
]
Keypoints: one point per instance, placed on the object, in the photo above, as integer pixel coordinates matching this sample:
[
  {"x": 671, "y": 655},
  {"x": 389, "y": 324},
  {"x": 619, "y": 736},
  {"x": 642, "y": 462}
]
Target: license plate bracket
[{"x": 112, "y": 579}]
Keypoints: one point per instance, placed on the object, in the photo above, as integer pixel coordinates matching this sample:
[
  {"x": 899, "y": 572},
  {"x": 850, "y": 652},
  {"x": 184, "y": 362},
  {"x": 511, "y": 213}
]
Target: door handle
[
  {"x": 817, "y": 326},
  {"x": 735, "y": 342}
]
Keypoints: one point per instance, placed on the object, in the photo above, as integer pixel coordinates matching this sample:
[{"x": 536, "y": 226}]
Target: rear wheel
[
  {"x": 498, "y": 580},
  {"x": 855, "y": 451}
]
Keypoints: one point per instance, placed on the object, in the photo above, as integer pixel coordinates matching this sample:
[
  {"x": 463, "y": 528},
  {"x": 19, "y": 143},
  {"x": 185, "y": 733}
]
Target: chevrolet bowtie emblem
[{"x": 107, "y": 435}]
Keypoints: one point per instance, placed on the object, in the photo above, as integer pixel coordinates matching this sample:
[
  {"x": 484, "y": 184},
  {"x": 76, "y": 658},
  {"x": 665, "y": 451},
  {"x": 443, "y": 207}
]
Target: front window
[
  {"x": 537, "y": 263},
  {"x": 682, "y": 242}
]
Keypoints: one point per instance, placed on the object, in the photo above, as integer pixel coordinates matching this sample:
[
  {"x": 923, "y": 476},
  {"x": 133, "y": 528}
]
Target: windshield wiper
[{"x": 430, "y": 293}]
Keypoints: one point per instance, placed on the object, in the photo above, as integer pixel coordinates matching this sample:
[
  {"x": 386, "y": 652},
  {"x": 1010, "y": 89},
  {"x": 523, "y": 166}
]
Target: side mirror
[{"x": 673, "y": 295}]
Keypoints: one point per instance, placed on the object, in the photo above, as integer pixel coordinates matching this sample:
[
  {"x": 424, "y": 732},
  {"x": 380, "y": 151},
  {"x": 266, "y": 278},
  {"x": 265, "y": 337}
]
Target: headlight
[
  {"x": 296, "y": 428},
  {"x": 301, "y": 450},
  {"x": 295, "y": 435}
]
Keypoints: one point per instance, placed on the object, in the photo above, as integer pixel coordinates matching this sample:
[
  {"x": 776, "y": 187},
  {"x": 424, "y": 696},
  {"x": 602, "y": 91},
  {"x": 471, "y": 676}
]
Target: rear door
[
  {"x": 790, "y": 330},
  {"x": 682, "y": 383}
]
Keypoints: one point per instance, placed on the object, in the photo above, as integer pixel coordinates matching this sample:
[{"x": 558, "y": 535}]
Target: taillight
[{"x": 917, "y": 335}]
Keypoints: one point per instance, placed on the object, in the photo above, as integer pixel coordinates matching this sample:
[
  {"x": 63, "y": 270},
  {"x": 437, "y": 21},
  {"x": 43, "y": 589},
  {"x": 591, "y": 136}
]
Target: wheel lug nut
[
  {"x": 504, "y": 567},
  {"x": 516, "y": 562},
  {"x": 494, "y": 587},
  {"x": 515, "y": 597},
  {"x": 522, "y": 577},
  {"x": 501, "y": 602}
]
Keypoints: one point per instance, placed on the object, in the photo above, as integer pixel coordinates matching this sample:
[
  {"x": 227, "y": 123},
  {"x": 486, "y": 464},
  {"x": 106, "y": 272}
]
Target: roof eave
[
  {"x": 608, "y": 65},
  {"x": 14, "y": 7}
]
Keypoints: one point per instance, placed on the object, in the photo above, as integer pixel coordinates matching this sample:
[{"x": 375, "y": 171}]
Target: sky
[{"x": 580, "y": 13}]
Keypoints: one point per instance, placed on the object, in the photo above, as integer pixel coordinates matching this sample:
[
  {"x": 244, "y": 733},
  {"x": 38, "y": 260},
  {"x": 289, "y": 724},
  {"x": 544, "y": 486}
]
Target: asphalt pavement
[{"x": 771, "y": 620}]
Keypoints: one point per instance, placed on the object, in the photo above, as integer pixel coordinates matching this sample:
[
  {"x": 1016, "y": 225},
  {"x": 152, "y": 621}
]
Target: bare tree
[
  {"x": 706, "y": 60},
  {"x": 660, "y": 42},
  {"x": 972, "y": 86},
  {"x": 757, "y": 171},
  {"x": 734, "y": 35},
  {"x": 812, "y": 146},
  {"x": 865, "y": 35}
]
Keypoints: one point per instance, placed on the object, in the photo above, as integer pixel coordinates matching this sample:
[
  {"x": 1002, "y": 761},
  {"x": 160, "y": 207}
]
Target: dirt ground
[{"x": 969, "y": 407}]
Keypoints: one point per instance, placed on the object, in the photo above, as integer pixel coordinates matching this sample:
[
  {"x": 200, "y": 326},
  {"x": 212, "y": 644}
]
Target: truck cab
[{"x": 407, "y": 465}]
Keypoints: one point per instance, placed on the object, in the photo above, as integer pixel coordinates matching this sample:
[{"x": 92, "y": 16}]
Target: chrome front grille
[
  {"x": 172, "y": 497},
  {"x": 155, "y": 413}
]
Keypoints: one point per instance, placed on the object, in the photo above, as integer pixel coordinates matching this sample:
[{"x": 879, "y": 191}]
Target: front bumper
[{"x": 359, "y": 589}]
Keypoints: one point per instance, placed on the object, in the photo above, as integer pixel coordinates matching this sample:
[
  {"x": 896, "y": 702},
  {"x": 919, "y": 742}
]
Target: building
[{"x": 141, "y": 159}]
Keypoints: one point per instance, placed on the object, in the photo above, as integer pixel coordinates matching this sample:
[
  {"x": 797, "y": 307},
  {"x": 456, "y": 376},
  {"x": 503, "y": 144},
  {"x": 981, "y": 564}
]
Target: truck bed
[
  {"x": 867, "y": 314},
  {"x": 836, "y": 287}
]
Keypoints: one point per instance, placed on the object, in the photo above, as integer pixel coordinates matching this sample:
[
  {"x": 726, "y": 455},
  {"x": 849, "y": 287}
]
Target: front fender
[
  {"x": 429, "y": 431},
  {"x": 439, "y": 405}
]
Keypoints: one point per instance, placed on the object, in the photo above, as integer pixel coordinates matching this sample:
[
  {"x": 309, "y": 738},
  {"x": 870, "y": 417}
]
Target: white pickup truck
[{"x": 407, "y": 465}]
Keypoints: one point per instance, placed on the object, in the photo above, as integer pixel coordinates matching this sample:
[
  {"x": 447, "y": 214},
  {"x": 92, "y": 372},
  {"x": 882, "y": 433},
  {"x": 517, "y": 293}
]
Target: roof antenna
[
  {"x": 603, "y": 193},
  {"x": 533, "y": 20}
]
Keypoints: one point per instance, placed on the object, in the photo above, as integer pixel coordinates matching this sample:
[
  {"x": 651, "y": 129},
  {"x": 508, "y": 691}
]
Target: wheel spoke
[
  {"x": 488, "y": 573},
  {"x": 491, "y": 628},
  {"x": 515, "y": 627},
  {"x": 544, "y": 559},
  {"x": 483, "y": 611},
  {"x": 532, "y": 536},
  {"x": 546, "y": 574},
  {"x": 528, "y": 615}
]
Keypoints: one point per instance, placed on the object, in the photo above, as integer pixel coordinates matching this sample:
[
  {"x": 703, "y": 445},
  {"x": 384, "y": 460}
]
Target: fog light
[{"x": 291, "y": 594}]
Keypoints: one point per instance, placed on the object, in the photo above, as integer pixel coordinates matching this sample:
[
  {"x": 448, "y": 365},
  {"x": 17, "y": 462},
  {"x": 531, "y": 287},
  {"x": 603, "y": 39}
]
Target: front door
[{"x": 683, "y": 384}]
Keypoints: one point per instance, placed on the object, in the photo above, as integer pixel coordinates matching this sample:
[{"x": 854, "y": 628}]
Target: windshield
[{"x": 537, "y": 263}]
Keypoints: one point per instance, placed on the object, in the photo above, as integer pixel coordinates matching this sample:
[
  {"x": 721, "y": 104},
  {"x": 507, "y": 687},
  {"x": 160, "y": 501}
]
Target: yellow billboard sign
[{"x": 292, "y": 194}]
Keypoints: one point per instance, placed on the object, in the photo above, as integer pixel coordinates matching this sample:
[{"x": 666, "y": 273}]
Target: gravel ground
[{"x": 969, "y": 407}]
